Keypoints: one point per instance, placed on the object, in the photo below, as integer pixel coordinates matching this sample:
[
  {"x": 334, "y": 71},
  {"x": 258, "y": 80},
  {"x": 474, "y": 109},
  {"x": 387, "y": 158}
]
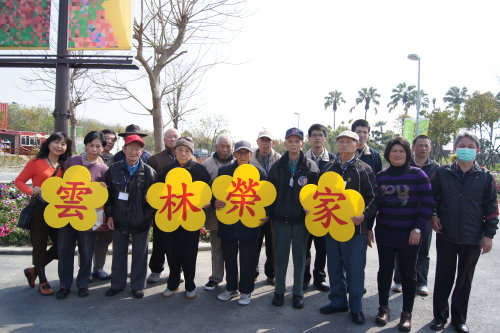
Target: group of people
[{"x": 403, "y": 204}]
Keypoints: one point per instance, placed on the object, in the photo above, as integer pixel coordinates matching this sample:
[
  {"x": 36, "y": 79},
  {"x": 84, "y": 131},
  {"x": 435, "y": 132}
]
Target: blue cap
[{"x": 295, "y": 131}]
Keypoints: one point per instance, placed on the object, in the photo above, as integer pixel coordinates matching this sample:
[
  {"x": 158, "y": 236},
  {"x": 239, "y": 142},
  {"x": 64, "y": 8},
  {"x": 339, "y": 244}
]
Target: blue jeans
[
  {"x": 67, "y": 238},
  {"x": 350, "y": 257}
]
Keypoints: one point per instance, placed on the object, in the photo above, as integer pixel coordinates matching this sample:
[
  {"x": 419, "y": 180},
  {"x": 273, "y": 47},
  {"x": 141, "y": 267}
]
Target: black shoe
[
  {"x": 138, "y": 293},
  {"x": 298, "y": 301},
  {"x": 62, "y": 293},
  {"x": 83, "y": 292},
  {"x": 358, "y": 318},
  {"x": 278, "y": 299},
  {"x": 112, "y": 292},
  {"x": 271, "y": 281},
  {"x": 460, "y": 328},
  {"x": 322, "y": 286},
  {"x": 305, "y": 285},
  {"x": 329, "y": 309},
  {"x": 211, "y": 285},
  {"x": 438, "y": 324}
]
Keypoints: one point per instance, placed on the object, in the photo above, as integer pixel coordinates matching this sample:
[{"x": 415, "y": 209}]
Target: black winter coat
[
  {"x": 466, "y": 203},
  {"x": 287, "y": 207},
  {"x": 135, "y": 214}
]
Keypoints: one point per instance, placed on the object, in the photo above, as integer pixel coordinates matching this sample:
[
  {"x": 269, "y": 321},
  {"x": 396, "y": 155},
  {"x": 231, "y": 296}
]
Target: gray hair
[
  {"x": 173, "y": 129},
  {"x": 466, "y": 134},
  {"x": 224, "y": 137}
]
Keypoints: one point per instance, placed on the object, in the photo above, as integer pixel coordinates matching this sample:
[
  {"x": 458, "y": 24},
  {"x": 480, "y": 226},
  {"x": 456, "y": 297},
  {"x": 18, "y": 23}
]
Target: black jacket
[
  {"x": 359, "y": 177},
  {"x": 135, "y": 214},
  {"x": 287, "y": 208},
  {"x": 429, "y": 168},
  {"x": 466, "y": 203},
  {"x": 237, "y": 230}
]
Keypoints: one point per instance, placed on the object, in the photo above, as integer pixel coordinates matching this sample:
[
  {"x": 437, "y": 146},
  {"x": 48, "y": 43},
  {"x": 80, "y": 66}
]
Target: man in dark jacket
[
  {"x": 317, "y": 134},
  {"x": 129, "y": 215},
  {"x": 465, "y": 221},
  {"x": 238, "y": 237},
  {"x": 132, "y": 129},
  {"x": 289, "y": 174},
  {"x": 158, "y": 162},
  {"x": 365, "y": 153},
  {"x": 350, "y": 256}
]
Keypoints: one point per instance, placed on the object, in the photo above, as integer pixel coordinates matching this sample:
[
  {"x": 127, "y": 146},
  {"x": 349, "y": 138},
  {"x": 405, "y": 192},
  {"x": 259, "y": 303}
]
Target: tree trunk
[
  {"x": 334, "y": 120},
  {"x": 157, "y": 125}
]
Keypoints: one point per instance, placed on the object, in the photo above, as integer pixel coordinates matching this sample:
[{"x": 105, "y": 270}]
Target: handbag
[{"x": 26, "y": 215}]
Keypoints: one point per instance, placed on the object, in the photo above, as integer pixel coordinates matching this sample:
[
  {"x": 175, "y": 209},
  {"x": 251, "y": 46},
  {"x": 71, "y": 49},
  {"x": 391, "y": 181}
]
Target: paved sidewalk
[{"x": 23, "y": 309}]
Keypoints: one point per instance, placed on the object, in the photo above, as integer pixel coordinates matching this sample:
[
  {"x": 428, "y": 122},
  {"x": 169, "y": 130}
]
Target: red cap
[{"x": 134, "y": 138}]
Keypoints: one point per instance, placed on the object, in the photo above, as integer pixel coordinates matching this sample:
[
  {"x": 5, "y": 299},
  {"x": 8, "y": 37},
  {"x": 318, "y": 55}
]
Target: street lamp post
[
  {"x": 298, "y": 119},
  {"x": 416, "y": 57}
]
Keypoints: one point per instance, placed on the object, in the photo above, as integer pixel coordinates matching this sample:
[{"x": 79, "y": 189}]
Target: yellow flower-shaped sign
[
  {"x": 331, "y": 207},
  {"x": 179, "y": 201},
  {"x": 73, "y": 199},
  {"x": 245, "y": 196}
]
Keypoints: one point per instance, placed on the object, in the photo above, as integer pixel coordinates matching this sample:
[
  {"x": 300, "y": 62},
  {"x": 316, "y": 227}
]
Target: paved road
[{"x": 22, "y": 309}]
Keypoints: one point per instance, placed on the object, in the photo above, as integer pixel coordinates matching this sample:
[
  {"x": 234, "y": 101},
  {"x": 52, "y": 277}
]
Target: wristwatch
[{"x": 417, "y": 230}]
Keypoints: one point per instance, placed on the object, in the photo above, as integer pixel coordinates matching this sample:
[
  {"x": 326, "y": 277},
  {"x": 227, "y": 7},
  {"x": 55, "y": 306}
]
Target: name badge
[
  {"x": 291, "y": 181},
  {"x": 123, "y": 196}
]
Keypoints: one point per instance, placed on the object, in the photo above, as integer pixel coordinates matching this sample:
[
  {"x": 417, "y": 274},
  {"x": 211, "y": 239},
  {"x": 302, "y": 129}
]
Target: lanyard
[
  {"x": 348, "y": 164},
  {"x": 127, "y": 179}
]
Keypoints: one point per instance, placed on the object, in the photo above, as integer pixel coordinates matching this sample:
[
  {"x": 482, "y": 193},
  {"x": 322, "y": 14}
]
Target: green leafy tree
[
  {"x": 33, "y": 118},
  {"x": 443, "y": 125},
  {"x": 455, "y": 97},
  {"x": 333, "y": 99},
  {"x": 482, "y": 114},
  {"x": 367, "y": 96}
]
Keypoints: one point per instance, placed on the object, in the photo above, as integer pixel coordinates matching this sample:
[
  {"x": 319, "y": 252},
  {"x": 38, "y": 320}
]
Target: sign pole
[{"x": 61, "y": 111}]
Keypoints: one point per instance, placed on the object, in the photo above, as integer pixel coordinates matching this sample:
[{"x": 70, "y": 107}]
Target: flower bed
[{"x": 12, "y": 201}]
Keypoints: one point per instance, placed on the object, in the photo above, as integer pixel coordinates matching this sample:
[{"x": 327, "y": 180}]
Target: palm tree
[
  {"x": 334, "y": 98},
  {"x": 367, "y": 95},
  {"x": 380, "y": 124},
  {"x": 455, "y": 97},
  {"x": 404, "y": 94}
]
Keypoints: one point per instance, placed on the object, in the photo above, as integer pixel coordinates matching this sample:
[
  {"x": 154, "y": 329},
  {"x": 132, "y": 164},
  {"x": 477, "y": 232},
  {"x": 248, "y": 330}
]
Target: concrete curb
[{"x": 26, "y": 250}]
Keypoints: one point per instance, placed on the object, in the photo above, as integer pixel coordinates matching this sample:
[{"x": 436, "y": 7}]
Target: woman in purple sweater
[
  {"x": 405, "y": 204},
  {"x": 67, "y": 236}
]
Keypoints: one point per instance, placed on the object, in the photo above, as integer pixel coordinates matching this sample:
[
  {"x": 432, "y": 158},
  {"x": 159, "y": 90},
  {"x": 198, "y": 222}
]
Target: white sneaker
[
  {"x": 397, "y": 287},
  {"x": 153, "y": 277},
  {"x": 169, "y": 293},
  {"x": 245, "y": 299},
  {"x": 226, "y": 295},
  {"x": 423, "y": 291},
  {"x": 191, "y": 294}
]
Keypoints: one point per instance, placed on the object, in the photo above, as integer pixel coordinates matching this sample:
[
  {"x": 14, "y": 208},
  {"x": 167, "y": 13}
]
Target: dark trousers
[
  {"x": 139, "y": 264},
  {"x": 102, "y": 241},
  {"x": 157, "y": 260},
  {"x": 182, "y": 249},
  {"x": 267, "y": 231},
  {"x": 423, "y": 258},
  {"x": 451, "y": 258},
  {"x": 40, "y": 233},
  {"x": 248, "y": 258},
  {"x": 407, "y": 265},
  {"x": 67, "y": 240},
  {"x": 319, "y": 262}
]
